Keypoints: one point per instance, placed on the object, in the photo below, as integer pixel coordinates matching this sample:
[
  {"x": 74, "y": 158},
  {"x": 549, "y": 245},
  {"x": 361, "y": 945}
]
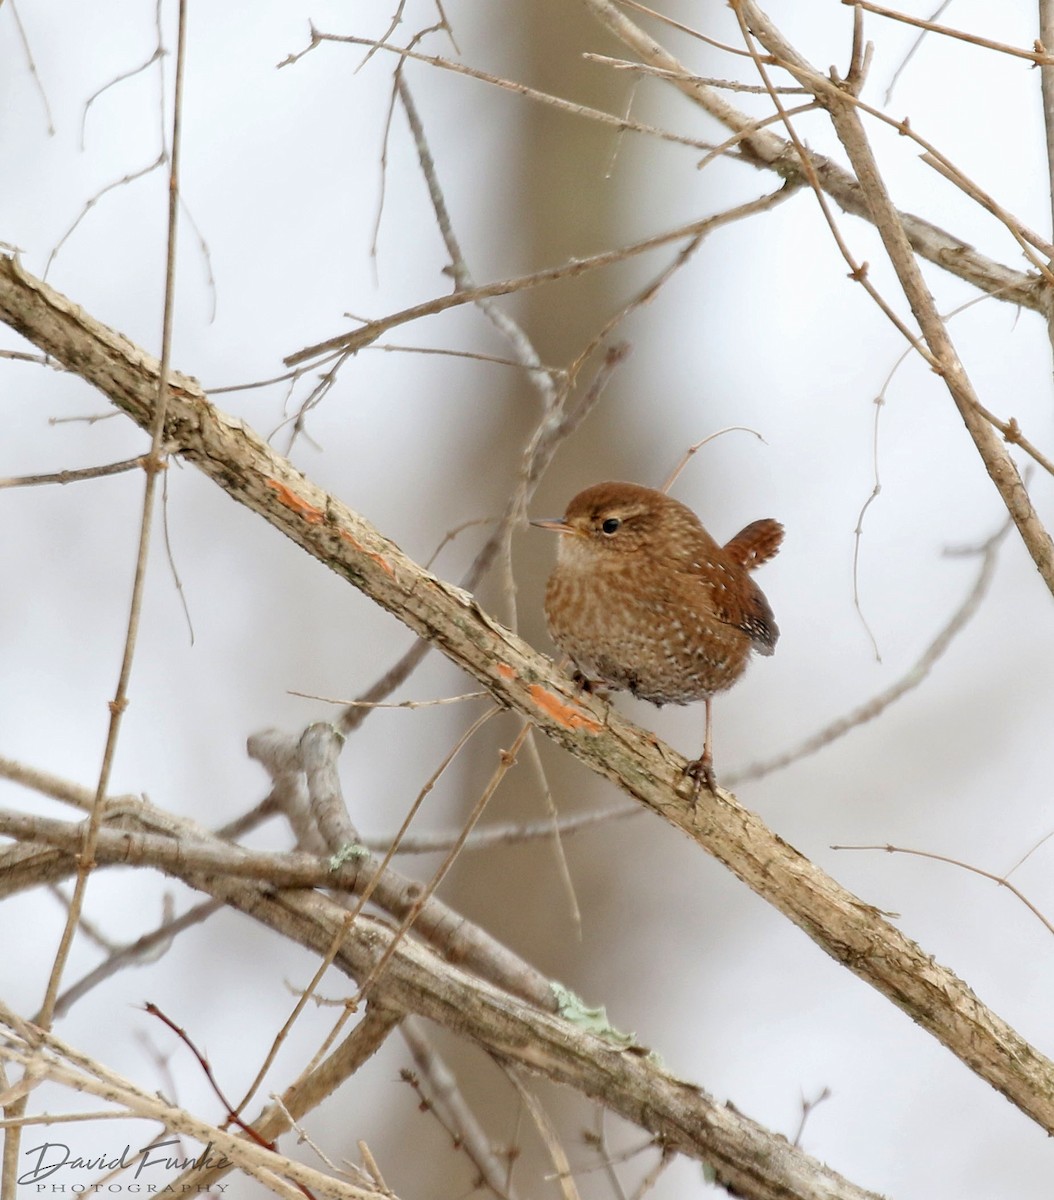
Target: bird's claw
[
  {"x": 701, "y": 771},
  {"x": 590, "y": 686}
]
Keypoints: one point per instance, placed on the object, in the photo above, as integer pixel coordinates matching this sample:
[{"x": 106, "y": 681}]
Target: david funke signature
[{"x": 55, "y": 1156}]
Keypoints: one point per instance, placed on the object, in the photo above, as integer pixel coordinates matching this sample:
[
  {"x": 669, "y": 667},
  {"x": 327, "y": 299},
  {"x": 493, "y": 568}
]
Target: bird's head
[{"x": 610, "y": 522}]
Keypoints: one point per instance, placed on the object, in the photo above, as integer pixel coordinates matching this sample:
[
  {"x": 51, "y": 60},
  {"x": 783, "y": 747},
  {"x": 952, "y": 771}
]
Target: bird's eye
[{"x": 611, "y": 525}]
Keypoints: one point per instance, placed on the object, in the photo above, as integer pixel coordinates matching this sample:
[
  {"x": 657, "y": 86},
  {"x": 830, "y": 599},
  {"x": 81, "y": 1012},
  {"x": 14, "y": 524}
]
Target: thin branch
[
  {"x": 694, "y": 449},
  {"x": 808, "y": 1107},
  {"x": 912, "y": 51},
  {"x": 91, "y": 202},
  {"x": 621, "y": 124},
  {"x": 728, "y": 85},
  {"x": 145, "y": 949},
  {"x": 74, "y": 476},
  {"x": 635, "y": 6},
  {"x": 547, "y": 1130},
  {"x": 153, "y": 466},
  {"x": 404, "y": 704},
  {"x": 910, "y": 680},
  {"x": 510, "y": 330},
  {"x": 510, "y": 835},
  {"x": 32, "y": 65},
  {"x": 369, "y": 332},
  {"x": 506, "y": 759},
  {"x": 766, "y": 150},
  {"x": 1046, "y": 80},
  {"x": 730, "y": 216},
  {"x": 1038, "y": 57},
  {"x": 940, "y": 350},
  {"x": 159, "y": 52},
  {"x": 453, "y": 1111},
  {"x": 231, "y": 1116},
  {"x": 876, "y": 488},
  {"x": 1001, "y": 880},
  {"x": 598, "y": 1138},
  {"x": 858, "y": 271}
]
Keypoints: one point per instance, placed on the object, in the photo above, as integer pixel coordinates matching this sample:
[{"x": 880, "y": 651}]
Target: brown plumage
[{"x": 643, "y": 599}]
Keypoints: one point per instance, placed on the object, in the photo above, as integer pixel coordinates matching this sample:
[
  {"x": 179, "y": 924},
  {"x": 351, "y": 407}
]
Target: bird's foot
[
  {"x": 591, "y": 687},
  {"x": 700, "y": 771}
]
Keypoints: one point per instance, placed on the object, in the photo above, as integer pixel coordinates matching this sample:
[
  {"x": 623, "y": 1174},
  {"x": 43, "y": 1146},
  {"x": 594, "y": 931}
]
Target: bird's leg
[
  {"x": 702, "y": 769},
  {"x": 591, "y": 687}
]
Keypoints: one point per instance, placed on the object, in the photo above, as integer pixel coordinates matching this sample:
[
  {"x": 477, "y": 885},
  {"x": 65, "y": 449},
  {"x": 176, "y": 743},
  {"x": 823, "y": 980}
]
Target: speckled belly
[{"x": 660, "y": 644}]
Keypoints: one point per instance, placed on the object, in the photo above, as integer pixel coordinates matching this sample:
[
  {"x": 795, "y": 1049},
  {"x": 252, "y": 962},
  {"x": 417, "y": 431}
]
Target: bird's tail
[{"x": 756, "y": 544}]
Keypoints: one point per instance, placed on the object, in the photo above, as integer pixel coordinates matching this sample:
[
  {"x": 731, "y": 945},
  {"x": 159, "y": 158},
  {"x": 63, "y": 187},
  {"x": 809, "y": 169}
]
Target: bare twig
[
  {"x": 728, "y": 85},
  {"x": 405, "y": 704},
  {"x": 21, "y": 356},
  {"x": 306, "y": 1092},
  {"x": 159, "y": 52},
  {"x": 74, "y": 476},
  {"x": 808, "y": 1107},
  {"x": 153, "y": 465},
  {"x": 452, "y": 1110},
  {"x": 940, "y": 352},
  {"x": 509, "y": 835},
  {"x": 91, "y": 202},
  {"x": 911, "y": 679},
  {"x": 32, "y": 65},
  {"x": 1046, "y": 80},
  {"x": 1036, "y": 57},
  {"x": 912, "y": 51},
  {"x": 1001, "y": 880},
  {"x": 644, "y": 10},
  {"x": 547, "y": 1130},
  {"x": 371, "y": 330},
  {"x": 607, "y": 1163},
  {"x": 231, "y": 1116},
  {"x": 578, "y": 110},
  {"x": 145, "y": 949},
  {"x": 858, "y": 271},
  {"x": 766, "y": 150},
  {"x": 694, "y": 449},
  {"x": 506, "y": 759}
]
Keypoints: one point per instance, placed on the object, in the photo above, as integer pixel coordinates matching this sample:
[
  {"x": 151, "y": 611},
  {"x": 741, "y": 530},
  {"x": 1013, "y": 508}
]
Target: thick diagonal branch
[{"x": 232, "y": 455}]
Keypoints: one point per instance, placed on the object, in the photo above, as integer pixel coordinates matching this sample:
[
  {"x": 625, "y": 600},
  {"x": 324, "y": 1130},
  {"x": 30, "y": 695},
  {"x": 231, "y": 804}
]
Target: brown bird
[{"x": 643, "y": 599}]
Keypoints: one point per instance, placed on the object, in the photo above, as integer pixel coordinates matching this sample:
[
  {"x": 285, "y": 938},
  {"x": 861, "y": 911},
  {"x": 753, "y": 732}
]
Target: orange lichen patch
[
  {"x": 286, "y": 496},
  {"x": 568, "y": 715},
  {"x": 379, "y": 559},
  {"x": 505, "y": 671}
]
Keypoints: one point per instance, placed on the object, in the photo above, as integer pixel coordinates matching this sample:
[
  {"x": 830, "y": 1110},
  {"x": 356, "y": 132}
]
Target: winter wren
[{"x": 643, "y": 599}]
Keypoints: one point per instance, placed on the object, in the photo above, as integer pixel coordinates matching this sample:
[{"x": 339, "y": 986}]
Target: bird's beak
[{"x": 556, "y": 524}]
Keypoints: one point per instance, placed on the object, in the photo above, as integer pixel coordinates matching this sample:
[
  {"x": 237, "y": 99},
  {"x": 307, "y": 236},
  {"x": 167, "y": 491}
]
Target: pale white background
[{"x": 282, "y": 176}]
